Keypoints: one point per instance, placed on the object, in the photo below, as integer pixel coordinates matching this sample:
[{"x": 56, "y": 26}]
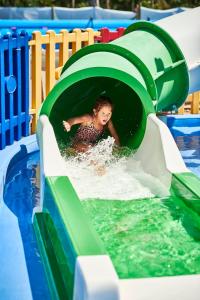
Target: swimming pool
[{"x": 189, "y": 147}]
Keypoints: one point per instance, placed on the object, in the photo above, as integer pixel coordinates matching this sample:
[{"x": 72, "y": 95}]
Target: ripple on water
[{"x": 147, "y": 237}]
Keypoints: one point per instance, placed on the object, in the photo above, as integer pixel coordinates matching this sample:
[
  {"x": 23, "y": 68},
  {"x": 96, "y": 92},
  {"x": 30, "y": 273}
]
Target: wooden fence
[
  {"x": 191, "y": 105},
  {"x": 66, "y": 44}
]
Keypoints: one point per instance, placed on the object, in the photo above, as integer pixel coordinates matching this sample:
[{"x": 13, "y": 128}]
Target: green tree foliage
[
  {"x": 166, "y": 4},
  {"x": 113, "y": 4}
]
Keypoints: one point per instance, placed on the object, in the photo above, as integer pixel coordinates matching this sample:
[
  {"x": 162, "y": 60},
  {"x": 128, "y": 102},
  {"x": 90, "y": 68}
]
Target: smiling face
[{"x": 103, "y": 115}]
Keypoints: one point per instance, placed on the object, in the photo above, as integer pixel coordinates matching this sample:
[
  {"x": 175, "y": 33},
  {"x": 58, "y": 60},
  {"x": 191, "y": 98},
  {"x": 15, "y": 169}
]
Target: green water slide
[{"x": 143, "y": 72}]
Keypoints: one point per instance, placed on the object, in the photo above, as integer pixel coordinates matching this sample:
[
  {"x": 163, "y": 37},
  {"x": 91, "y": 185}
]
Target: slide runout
[{"x": 155, "y": 128}]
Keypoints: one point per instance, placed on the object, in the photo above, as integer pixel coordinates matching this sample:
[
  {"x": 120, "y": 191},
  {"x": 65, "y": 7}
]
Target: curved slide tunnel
[
  {"x": 124, "y": 97},
  {"x": 143, "y": 72}
]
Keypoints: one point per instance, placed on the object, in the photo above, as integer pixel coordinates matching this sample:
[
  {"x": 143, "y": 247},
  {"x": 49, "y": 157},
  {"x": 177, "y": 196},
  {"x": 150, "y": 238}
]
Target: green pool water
[{"x": 148, "y": 237}]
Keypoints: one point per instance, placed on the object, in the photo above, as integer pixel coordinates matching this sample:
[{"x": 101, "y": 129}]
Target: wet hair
[{"x": 102, "y": 101}]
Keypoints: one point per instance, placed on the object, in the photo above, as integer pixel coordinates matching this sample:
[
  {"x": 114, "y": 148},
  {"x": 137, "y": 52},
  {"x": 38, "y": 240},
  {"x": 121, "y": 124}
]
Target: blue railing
[{"x": 14, "y": 88}]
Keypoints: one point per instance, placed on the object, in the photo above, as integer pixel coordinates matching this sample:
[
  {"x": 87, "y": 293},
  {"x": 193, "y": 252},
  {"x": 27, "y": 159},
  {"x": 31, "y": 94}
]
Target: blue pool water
[
  {"x": 189, "y": 147},
  {"x": 22, "y": 194}
]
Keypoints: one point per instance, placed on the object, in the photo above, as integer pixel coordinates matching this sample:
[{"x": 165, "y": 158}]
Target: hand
[{"x": 67, "y": 126}]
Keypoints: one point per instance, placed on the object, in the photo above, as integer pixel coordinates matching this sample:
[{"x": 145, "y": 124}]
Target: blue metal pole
[
  {"x": 25, "y": 81},
  {"x": 2, "y": 98},
  {"x": 18, "y": 95}
]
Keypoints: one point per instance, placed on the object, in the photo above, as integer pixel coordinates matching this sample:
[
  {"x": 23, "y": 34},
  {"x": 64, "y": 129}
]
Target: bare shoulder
[{"x": 87, "y": 119}]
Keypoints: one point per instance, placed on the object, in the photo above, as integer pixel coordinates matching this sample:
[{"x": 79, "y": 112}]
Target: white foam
[{"x": 100, "y": 174}]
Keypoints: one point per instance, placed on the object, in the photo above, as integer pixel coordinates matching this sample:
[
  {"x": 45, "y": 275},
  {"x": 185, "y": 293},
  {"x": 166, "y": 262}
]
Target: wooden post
[
  {"x": 64, "y": 48},
  {"x": 195, "y": 103},
  {"x": 50, "y": 61},
  {"x": 36, "y": 66},
  {"x": 181, "y": 110},
  {"x": 91, "y": 34},
  {"x": 76, "y": 44}
]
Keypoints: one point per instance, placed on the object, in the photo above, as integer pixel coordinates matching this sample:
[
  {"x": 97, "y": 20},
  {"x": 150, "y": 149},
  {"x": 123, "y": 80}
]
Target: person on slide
[{"x": 93, "y": 126}]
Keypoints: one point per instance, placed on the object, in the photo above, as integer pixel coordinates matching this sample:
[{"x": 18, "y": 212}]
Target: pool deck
[{"x": 14, "y": 280}]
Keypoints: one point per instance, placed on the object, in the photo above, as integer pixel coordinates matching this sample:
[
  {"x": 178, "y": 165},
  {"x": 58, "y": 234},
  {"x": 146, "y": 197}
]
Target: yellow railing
[
  {"x": 191, "y": 105},
  {"x": 50, "y": 61}
]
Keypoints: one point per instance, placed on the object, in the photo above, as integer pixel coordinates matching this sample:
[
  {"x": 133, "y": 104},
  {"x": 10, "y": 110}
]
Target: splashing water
[{"x": 104, "y": 172}]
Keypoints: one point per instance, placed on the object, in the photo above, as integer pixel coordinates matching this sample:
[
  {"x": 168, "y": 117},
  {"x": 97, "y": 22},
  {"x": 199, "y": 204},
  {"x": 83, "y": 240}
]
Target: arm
[
  {"x": 113, "y": 132},
  {"x": 77, "y": 120}
]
